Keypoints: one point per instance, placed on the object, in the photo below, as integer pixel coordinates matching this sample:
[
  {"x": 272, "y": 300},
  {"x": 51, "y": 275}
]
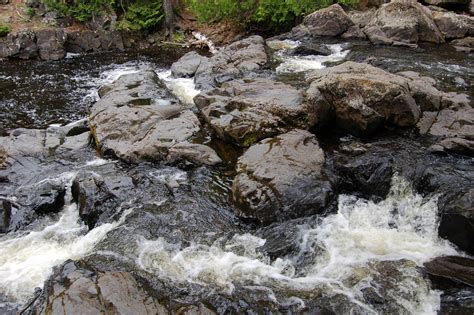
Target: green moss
[
  {"x": 250, "y": 139},
  {"x": 4, "y": 30}
]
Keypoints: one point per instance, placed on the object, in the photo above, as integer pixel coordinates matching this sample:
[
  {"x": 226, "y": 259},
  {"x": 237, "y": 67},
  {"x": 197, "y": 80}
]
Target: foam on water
[
  {"x": 183, "y": 88},
  {"x": 291, "y": 64},
  {"x": 403, "y": 226},
  {"x": 27, "y": 258}
]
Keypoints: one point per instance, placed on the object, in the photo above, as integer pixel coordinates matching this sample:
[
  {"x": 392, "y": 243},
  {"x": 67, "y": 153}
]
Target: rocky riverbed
[{"x": 297, "y": 174}]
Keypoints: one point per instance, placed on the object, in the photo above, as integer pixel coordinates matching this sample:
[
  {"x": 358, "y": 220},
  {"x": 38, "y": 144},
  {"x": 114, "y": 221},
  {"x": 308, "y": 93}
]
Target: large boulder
[
  {"x": 51, "y": 44},
  {"x": 282, "y": 178},
  {"x": 457, "y": 220},
  {"x": 453, "y": 25},
  {"x": 248, "y": 110},
  {"x": 233, "y": 61},
  {"x": 44, "y": 143},
  {"x": 29, "y": 202},
  {"x": 137, "y": 119},
  {"x": 403, "y": 21},
  {"x": 364, "y": 97},
  {"x": 454, "y": 268},
  {"x": 76, "y": 289},
  {"x": 95, "y": 194},
  {"x": 330, "y": 21},
  {"x": 19, "y": 45}
]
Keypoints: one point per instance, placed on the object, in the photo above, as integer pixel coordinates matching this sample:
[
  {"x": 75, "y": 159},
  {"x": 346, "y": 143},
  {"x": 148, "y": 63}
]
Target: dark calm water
[{"x": 35, "y": 94}]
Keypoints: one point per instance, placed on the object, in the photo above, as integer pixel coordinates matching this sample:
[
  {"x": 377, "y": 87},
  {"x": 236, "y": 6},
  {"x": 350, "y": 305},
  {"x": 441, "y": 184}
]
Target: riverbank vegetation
[
  {"x": 4, "y": 29},
  {"x": 149, "y": 14},
  {"x": 271, "y": 13}
]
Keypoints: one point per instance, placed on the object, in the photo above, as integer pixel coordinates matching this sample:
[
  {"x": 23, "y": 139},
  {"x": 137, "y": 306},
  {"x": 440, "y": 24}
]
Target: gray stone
[
  {"x": 330, "y": 21},
  {"x": 187, "y": 65},
  {"x": 404, "y": 21},
  {"x": 246, "y": 111},
  {"x": 77, "y": 290},
  {"x": 364, "y": 97},
  {"x": 51, "y": 44},
  {"x": 282, "y": 178},
  {"x": 465, "y": 44},
  {"x": 138, "y": 119},
  {"x": 453, "y": 25}
]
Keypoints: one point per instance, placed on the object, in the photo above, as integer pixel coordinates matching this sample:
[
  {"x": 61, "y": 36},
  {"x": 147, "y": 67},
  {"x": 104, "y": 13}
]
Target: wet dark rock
[
  {"x": 20, "y": 45},
  {"x": 447, "y": 3},
  {"x": 138, "y": 119},
  {"x": 330, "y": 21},
  {"x": 282, "y": 239},
  {"x": 75, "y": 288},
  {"x": 453, "y": 25},
  {"x": 51, "y": 43},
  {"x": 452, "y": 181},
  {"x": 246, "y": 111},
  {"x": 30, "y": 202},
  {"x": 457, "y": 218},
  {"x": 456, "y": 145},
  {"x": 454, "y": 268},
  {"x": 92, "y": 41},
  {"x": 403, "y": 21},
  {"x": 4, "y": 215},
  {"x": 96, "y": 195},
  {"x": 311, "y": 49},
  {"x": 82, "y": 41},
  {"x": 388, "y": 275},
  {"x": 231, "y": 62},
  {"x": 456, "y": 301},
  {"x": 365, "y": 98},
  {"x": 282, "y": 178}
]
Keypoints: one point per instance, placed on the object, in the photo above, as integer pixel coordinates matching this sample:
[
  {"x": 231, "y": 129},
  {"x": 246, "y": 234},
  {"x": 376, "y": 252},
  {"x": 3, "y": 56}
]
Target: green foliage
[
  {"x": 179, "y": 37},
  {"x": 136, "y": 14},
  {"x": 81, "y": 10},
  {"x": 4, "y": 30},
  {"x": 30, "y": 12},
  {"x": 273, "y": 13},
  {"x": 142, "y": 15}
]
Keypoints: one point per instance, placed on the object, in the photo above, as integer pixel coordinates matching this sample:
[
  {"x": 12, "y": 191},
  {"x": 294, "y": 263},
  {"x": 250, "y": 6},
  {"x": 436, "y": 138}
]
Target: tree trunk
[{"x": 169, "y": 16}]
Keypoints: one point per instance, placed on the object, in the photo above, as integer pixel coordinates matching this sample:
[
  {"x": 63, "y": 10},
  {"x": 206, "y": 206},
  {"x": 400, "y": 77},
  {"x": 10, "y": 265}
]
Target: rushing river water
[{"x": 339, "y": 254}]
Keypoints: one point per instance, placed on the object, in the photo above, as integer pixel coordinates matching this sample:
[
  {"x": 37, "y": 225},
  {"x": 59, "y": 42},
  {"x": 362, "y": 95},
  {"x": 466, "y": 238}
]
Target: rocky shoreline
[{"x": 248, "y": 175}]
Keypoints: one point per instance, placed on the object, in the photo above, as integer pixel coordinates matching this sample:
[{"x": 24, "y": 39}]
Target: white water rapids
[
  {"x": 403, "y": 226},
  {"x": 292, "y": 64},
  {"x": 27, "y": 258}
]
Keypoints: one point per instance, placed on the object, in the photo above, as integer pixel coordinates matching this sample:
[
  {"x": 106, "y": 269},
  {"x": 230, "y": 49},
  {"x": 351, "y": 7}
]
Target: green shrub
[
  {"x": 135, "y": 14},
  {"x": 142, "y": 15},
  {"x": 277, "y": 14},
  {"x": 30, "y": 12},
  {"x": 4, "y": 30},
  {"x": 81, "y": 10}
]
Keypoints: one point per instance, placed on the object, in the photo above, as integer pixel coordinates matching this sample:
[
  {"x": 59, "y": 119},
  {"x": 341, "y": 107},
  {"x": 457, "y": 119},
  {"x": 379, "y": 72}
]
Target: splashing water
[
  {"x": 27, "y": 258},
  {"x": 291, "y": 64},
  {"x": 360, "y": 235},
  {"x": 183, "y": 88}
]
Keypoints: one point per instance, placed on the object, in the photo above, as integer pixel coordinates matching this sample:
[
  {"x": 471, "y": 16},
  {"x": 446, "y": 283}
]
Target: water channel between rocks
[{"x": 183, "y": 233}]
